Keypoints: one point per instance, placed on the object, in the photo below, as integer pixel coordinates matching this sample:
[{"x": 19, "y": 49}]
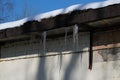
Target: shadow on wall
[
  {"x": 52, "y": 67},
  {"x": 41, "y": 74},
  {"x": 65, "y": 68},
  {"x": 56, "y": 67}
]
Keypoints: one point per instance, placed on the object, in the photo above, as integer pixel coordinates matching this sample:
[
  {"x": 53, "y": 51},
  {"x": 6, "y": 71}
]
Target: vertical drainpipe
[
  {"x": 91, "y": 51},
  {"x": 0, "y": 52}
]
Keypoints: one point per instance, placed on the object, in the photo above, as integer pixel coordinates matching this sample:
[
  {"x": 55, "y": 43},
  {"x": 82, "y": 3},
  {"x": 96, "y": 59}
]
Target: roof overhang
[{"x": 90, "y": 19}]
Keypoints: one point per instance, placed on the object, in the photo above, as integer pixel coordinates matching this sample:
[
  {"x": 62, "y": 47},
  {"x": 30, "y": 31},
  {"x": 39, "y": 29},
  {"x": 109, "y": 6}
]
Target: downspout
[
  {"x": 91, "y": 51},
  {"x": 0, "y": 52}
]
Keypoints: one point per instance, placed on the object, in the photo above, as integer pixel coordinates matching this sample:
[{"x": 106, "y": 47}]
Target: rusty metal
[{"x": 91, "y": 51}]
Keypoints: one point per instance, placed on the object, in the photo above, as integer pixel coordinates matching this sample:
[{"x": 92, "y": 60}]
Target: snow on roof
[{"x": 54, "y": 13}]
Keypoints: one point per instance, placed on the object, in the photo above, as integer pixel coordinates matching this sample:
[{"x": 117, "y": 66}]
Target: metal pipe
[{"x": 91, "y": 51}]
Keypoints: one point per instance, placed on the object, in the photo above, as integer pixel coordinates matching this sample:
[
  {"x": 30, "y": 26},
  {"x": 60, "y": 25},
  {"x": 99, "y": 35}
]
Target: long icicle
[
  {"x": 75, "y": 37},
  {"x": 66, "y": 34}
]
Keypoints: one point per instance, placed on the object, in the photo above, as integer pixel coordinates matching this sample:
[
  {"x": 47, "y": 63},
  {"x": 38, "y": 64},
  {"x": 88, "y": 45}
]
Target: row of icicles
[{"x": 75, "y": 38}]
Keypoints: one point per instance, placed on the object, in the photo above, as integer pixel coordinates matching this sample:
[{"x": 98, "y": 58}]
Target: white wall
[{"x": 65, "y": 66}]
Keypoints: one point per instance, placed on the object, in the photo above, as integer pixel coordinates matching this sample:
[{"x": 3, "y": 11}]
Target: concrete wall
[{"x": 27, "y": 60}]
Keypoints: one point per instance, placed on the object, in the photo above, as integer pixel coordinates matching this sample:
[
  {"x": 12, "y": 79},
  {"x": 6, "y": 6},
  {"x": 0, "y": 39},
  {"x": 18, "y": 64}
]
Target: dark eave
[{"x": 90, "y": 19}]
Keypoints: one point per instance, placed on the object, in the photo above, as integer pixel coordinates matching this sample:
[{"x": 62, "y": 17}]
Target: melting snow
[{"x": 39, "y": 17}]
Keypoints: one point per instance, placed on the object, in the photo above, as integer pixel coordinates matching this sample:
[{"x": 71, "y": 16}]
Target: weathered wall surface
[{"x": 61, "y": 61}]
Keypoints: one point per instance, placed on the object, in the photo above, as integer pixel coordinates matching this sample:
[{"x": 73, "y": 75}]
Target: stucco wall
[{"x": 60, "y": 62}]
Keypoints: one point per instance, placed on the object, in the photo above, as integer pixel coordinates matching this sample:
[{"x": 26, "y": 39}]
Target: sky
[{"x": 13, "y": 10}]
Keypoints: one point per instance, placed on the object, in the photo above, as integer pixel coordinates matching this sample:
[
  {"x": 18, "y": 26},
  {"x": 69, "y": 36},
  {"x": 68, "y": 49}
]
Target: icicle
[
  {"x": 44, "y": 42},
  {"x": 75, "y": 40},
  {"x": 75, "y": 37},
  {"x": 66, "y": 33}
]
